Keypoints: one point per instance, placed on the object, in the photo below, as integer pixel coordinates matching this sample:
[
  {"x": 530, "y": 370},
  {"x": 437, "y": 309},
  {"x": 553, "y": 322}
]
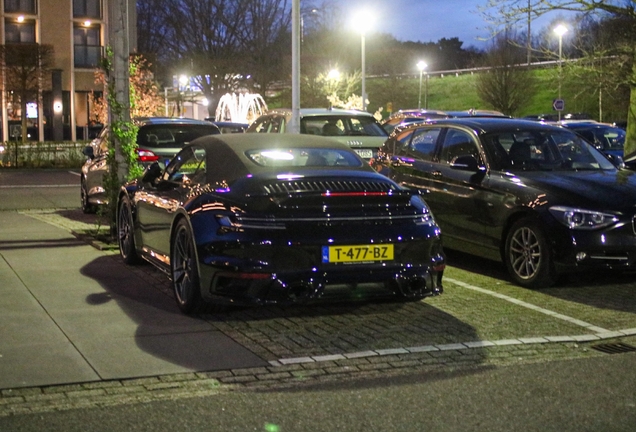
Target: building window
[
  {"x": 87, "y": 46},
  {"x": 26, "y": 6},
  {"x": 19, "y": 32},
  {"x": 87, "y": 8}
]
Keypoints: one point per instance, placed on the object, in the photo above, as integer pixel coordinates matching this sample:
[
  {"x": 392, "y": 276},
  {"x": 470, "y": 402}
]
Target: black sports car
[
  {"x": 537, "y": 197},
  {"x": 278, "y": 218}
]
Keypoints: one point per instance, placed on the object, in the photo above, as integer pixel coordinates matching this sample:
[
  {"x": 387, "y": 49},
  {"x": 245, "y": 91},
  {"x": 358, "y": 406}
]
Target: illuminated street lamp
[
  {"x": 362, "y": 23},
  {"x": 421, "y": 66},
  {"x": 560, "y": 30}
]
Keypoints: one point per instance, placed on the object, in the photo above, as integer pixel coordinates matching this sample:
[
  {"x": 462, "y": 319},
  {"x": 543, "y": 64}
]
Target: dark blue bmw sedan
[{"x": 535, "y": 196}]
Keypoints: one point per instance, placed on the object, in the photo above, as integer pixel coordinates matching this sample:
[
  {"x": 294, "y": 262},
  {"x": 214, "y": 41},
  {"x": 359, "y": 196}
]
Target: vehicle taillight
[{"x": 146, "y": 155}]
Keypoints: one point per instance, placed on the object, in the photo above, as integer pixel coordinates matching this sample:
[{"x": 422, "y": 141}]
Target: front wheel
[
  {"x": 527, "y": 255},
  {"x": 185, "y": 269},
  {"x": 125, "y": 232}
]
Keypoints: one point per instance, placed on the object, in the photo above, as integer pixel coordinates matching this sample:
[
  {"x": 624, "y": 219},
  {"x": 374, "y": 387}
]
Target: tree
[
  {"x": 219, "y": 43},
  {"x": 508, "y": 82},
  {"x": 144, "y": 92},
  {"x": 507, "y": 12},
  {"x": 25, "y": 68}
]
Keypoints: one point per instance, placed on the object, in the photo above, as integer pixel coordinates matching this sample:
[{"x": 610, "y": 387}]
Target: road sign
[{"x": 558, "y": 104}]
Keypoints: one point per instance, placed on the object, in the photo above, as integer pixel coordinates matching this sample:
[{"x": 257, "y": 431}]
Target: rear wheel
[
  {"x": 125, "y": 232},
  {"x": 185, "y": 269},
  {"x": 528, "y": 256},
  {"x": 87, "y": 207}
]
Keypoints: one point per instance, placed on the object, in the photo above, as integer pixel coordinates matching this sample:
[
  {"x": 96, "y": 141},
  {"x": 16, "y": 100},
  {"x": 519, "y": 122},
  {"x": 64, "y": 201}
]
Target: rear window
[
  {"x": 304, "y": 157},
  {"x": 341, "y": 125},
  {"x": 172, "y": 135}
]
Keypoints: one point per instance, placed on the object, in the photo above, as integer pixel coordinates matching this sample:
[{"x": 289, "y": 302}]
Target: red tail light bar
[
  {"x": 345, "y": 194},
  {"x": 146, "y": 155}
]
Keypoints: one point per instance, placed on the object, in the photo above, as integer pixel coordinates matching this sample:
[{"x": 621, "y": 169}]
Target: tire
[
  {"x": 527, "y": 255},
  {"x": 87, "y": 207},
  {"x": 125, "y": 232},
  {"x": 184, "y": 269}
]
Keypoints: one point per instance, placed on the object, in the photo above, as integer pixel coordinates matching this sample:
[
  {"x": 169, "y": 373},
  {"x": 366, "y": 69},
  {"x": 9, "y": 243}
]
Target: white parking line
[
  {"x": 599, "y": 334},
  {"x": 518, "y": 302}
]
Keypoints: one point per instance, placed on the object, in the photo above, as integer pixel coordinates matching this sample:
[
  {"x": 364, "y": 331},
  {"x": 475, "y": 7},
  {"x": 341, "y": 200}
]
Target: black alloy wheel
[
  {"x": 87, "y": 207},
  {"x": 185, "y": 269},
  {"x": 528, "y": 256},
  {"x": 125, "y": 232}
]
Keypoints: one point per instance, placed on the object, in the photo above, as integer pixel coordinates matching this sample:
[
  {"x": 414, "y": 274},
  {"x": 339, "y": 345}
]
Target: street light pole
[
  {"x": 364, "y": 92},
  {"x": 560, "y": 30},
  {"x": 426, "y": 92},
  {"x": 421, "y": 66},
  {"x": 362, "y": 22}
]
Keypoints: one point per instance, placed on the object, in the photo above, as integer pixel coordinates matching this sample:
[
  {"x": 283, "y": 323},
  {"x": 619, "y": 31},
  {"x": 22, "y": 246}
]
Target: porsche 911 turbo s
[{"x": 277, "y": 219}]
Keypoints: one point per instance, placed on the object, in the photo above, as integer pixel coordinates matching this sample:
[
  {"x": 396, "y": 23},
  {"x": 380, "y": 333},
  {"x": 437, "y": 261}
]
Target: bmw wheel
[
  {"x": 528, "y": 256},
  {"x": 125, "y": 232},
  {"x": 185, "y": 269}
]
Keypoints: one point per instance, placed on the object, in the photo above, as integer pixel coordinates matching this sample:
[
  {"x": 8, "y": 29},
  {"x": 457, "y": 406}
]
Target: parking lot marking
[{"x": 522, "y": 303}]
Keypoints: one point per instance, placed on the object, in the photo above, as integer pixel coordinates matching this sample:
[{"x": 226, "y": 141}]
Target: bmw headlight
[{"x": 575, "y": 218}]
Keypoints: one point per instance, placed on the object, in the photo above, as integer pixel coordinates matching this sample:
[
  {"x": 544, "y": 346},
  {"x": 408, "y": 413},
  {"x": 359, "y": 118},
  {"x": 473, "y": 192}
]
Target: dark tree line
[{"x": 231, "y": 44}]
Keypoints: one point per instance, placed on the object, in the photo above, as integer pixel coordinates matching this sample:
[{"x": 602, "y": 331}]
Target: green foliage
[
  {"x": 122, "y": 132},
  {"x": 49, "y": 154}
]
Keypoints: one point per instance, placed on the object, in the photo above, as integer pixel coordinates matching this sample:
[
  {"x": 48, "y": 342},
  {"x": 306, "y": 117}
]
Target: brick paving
[{"x": 321, "y": 343}]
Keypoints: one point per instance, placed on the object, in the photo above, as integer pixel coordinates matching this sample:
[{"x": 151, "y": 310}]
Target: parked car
[
  {"x": 277, "y": 218},
  {"x": 537, "y": 197},
  {"x": 404, "y": 117},
  {"x": 607, "y": 138},
  {"x": 158, "y": 139},
  {"x": 553, "y": 117},
  {"x": 358, "y": 129},
  {"x": 228, "y": 126}
]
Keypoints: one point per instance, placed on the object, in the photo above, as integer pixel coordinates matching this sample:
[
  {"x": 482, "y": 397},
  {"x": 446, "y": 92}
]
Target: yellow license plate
[{"x": 358, "y": 253}]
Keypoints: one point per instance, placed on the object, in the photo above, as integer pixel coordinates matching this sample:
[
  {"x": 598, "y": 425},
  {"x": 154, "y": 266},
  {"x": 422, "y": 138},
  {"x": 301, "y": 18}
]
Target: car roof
[
  {"x": 232, "y": 149},
  {"x": 240, "y": 143},
  {"x": 142, "y": 121},
  {"x": 307, "y": 112},
  {"x": 488, "y": 124}
]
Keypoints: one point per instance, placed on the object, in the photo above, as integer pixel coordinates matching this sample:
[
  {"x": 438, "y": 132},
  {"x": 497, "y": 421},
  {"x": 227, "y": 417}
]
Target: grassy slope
[{"x": 458, "y": 92}]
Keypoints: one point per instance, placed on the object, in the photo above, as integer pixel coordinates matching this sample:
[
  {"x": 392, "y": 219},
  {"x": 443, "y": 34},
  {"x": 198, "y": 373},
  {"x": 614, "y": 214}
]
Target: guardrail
[{"x": 48, "y": 154}]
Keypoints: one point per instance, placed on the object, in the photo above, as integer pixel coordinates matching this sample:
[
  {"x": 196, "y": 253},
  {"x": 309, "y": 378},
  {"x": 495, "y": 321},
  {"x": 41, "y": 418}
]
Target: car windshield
[
  {"x": 341, "y": 125},
  {"x": 172, "y": 135},
  {"x": 304, "y": 157},
  {"x": 537, "y": 150}
]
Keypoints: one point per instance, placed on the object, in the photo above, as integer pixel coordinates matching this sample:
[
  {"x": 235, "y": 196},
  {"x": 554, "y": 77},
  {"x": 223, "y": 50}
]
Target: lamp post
[
  {"x": 421, "y": 66},
  {"x": 362, "y": 23},
  {"x": 560, "y": 30}
]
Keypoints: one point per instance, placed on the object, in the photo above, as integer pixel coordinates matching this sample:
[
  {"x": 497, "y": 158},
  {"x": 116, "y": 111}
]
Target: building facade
[{"x": 78, "y": 32}]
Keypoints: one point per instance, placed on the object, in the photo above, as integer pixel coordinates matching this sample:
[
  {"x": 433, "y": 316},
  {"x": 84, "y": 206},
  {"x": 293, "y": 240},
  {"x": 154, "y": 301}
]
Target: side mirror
[
  {"x": 616, "y": 160},
  {"x": 465, "y": 163},
  {"x": 152, "y": 173},
  {"x": 89, "y": 152}
]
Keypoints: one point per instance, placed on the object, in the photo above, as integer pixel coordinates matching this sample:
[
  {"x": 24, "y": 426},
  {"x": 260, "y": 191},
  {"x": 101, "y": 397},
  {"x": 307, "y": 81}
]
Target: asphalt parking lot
[{"x": 81, "y": 327}]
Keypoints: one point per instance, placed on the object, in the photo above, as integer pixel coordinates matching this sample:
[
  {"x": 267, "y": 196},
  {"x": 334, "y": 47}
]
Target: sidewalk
[{"x": 71, "y": 313}]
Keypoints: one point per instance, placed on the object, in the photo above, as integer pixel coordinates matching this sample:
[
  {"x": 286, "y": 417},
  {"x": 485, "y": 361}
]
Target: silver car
[{"x": 357, "y": 129}]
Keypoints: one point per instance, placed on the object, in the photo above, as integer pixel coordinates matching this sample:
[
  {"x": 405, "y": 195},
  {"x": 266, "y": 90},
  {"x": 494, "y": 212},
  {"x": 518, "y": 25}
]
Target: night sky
[{"x": 431, "y": 20}]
